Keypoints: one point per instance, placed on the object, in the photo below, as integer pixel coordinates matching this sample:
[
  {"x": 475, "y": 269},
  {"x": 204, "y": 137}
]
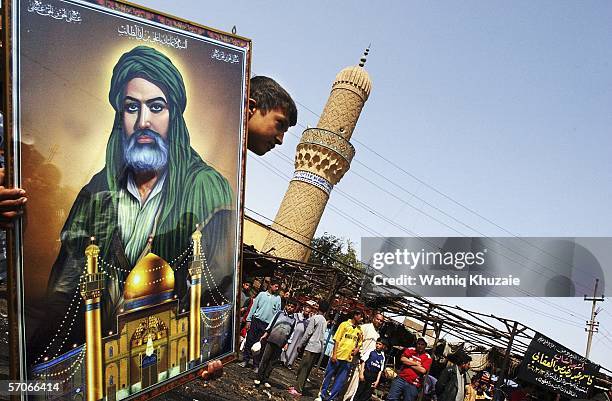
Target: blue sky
[{"x": 502, "y": 106}]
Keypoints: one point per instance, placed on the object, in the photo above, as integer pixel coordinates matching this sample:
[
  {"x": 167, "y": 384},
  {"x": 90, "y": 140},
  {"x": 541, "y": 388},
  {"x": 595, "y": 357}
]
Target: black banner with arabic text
[{"x": 558, "y": 369}]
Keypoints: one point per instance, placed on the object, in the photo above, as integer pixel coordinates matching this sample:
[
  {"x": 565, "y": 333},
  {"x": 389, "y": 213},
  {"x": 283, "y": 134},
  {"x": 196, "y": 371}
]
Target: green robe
[{"x": 94, "y": 213}]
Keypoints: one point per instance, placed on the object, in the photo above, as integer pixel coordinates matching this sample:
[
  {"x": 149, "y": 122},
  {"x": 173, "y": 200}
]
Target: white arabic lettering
[
  {"x": 139, "y": 33},
  {"x": 226, "y": 57},
  {"x": 48, "y": 10}
]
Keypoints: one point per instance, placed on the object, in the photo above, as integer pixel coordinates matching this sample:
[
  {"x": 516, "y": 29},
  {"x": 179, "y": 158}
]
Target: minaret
[
  {"x": 195, "y": 271},
  {"x": 323, "y": 156},
  {"x": 92, "y": 284}
]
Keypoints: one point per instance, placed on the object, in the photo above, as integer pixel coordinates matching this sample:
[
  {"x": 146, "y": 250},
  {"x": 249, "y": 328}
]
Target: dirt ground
[{"x": 237, "y": 384}]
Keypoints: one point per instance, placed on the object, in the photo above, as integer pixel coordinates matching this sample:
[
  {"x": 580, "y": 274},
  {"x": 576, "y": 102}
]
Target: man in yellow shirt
[{"x": 347, "y": 341}]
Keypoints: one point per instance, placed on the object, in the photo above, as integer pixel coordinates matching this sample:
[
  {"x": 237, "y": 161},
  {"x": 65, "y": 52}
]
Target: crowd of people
[
  {"x": 278, "y": 330},
  {"x": 281, "y": 330}
]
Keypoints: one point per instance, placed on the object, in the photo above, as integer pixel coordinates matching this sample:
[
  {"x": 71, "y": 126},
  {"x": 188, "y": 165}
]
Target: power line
[
  {"x": 446, "y": 225},
  {"x": 369, "y": 209},
  {"x": 570, "y": 312},
  {"x": 460, "y": 204},
  {"x": 429, "y": 204},
  {"x": 557, "y": 318}
]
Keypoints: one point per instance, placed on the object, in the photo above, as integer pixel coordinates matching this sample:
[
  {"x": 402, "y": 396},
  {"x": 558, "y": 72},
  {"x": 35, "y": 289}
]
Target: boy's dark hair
[
  {"x": 355, "y": 312},
  {"x": 323, "y": 306},
  {"x": 275, "y": 281},
  {"x": 269, "y": 95},
  {"x": 291, "y": 301},
  {"x": 459, "y": 357}
]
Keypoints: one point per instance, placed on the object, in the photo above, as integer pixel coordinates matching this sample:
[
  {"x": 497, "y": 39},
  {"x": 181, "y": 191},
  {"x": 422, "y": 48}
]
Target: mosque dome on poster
[{"x": 150, "y": 281}]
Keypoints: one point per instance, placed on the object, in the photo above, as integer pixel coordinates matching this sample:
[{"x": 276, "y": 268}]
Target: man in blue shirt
[{"x": 265, "y": 306}]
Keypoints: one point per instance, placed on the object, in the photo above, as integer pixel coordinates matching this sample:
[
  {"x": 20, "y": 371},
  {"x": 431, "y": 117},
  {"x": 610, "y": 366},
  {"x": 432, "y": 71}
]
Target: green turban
[
  {"x": 184, "y": 206},
  {"x": 147, "y": 63}
]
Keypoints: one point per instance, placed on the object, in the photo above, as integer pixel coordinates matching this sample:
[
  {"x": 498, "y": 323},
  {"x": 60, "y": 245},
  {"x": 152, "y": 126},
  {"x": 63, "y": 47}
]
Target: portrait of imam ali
[{"x": 154, "y": 212}]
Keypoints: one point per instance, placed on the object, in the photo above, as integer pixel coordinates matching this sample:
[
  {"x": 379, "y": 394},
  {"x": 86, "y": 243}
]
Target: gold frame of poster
[{"x": 124, "y": 269}]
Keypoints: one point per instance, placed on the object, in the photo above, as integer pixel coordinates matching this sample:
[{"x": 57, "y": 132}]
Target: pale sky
[{"x": 504, "y": 107}]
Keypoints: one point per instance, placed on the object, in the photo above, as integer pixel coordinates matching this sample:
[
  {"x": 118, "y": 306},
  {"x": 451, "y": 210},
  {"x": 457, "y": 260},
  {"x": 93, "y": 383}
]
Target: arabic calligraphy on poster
[
  {"x": 58, "y": 13},
  {"x": 137, "y": 32},
  {"x": 557, "y": 368},
  {"x": 225, "y": 56}
]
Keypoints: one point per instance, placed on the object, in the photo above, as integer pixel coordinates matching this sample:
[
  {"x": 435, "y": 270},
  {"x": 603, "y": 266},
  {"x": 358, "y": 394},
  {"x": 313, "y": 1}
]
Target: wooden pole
[{"x": 502, "y": 376}]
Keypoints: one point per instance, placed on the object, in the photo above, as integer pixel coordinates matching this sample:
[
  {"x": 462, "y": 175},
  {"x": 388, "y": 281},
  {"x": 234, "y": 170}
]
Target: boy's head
[
  {"x": 421, "y": 345},
  {"x": 323, "y": 306},
  {"x": 271, "y": 113},
  {"x": 356, "y": 315},
  {"x": 306, "y": 311},
  {"x": 380, "y": 345},
  {"x": 291, "y": 305},
  {"x": 461, "y": 359},
  {"x": 274, "y": 286}
]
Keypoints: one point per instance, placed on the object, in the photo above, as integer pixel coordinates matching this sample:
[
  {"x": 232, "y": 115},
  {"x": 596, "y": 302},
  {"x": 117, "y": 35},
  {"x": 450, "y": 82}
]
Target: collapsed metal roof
[{"x": 343, "y": 282}]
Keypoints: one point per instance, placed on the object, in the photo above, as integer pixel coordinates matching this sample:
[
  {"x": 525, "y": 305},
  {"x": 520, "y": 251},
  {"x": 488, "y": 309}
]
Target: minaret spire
[
  {"x": 364, "y": 58},
  {"x": 195, "y": 301},
  {"x": 91, "y": 287},
  {"x": 323, "y": 156}
]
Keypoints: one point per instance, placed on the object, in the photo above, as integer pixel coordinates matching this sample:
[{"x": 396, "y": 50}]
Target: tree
[{"x": 331, "y": 249}]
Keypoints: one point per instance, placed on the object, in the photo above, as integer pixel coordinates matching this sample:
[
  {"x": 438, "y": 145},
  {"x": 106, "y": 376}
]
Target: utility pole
[{"x": 592, "y": 325}]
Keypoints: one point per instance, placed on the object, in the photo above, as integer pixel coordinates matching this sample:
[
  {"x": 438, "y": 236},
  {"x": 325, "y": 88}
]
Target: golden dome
[
  {"x": 151, "y": 276},
  {"x": 354, "y": 78}
]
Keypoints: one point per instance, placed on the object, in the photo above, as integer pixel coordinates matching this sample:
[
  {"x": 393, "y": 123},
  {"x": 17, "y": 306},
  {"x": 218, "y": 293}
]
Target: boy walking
[
  {"x": 370, "y": 372},
  {"x": 265, "y": 306},
  {"x": 277, "y": 334},
  {"x": 347, "y": 341},
  {"x": 312, "y": 344}
]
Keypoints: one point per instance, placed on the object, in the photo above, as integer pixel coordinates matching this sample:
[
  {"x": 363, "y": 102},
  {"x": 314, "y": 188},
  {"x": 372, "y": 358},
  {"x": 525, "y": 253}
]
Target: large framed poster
[{"x": 126, "y": 128}]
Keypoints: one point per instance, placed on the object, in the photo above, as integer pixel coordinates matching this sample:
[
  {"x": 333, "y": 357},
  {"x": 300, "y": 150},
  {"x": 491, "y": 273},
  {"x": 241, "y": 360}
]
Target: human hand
[
  {"x": 248, "y": 326},
  {"x": 334, "y": 359},
  {"x": 285, "y": 347},
  {"x": 214, "y": 370},
  {"x": 12, "y": 201},
  {"x": 375, "y": 384},
  {"x": 361, "y": 377}
]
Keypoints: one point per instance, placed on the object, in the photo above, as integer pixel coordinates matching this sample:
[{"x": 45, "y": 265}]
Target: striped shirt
[{"x": 136, "y": 219}]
